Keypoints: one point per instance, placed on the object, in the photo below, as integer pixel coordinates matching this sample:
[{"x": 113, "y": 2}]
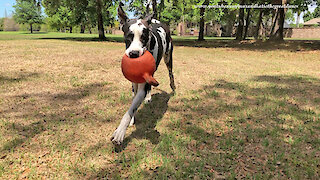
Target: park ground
[{"x": 241, "y": 110}]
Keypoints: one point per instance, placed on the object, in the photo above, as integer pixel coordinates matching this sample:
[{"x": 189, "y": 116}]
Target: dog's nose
[{"x": 134, "y": 54}]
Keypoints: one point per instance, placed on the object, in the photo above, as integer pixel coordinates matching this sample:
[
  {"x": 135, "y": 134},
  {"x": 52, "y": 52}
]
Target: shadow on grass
[
  {"x": 147, "y": 118},
  {"x": 32, "y": 113},
  {"x": 226, "y": 130},
  {"x": 289, "y": 45},
  {"x": 85, "y": 39},
  {"x": 240, "y": 131},
  {"x": 266, "y": 129},
  {"x": 17, "y": 77}
]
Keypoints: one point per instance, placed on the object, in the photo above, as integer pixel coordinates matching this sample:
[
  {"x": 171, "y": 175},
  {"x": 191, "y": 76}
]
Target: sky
[{"x": 6, "y": 5}]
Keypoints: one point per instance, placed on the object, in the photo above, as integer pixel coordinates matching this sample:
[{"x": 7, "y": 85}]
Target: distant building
[
  {"x": 312, "y": 22},
  {"x": 310, "y": 30}
]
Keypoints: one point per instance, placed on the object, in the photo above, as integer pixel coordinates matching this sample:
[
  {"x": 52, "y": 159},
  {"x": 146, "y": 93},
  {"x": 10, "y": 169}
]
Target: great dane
[{"x": 140, "y": 35}]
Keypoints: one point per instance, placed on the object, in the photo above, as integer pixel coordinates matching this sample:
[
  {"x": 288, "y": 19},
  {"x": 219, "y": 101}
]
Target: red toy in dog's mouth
[{"x": 139, "y": 70}]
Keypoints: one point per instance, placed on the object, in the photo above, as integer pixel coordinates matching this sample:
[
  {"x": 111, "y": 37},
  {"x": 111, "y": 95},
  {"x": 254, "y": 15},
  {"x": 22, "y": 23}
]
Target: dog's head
[{"x": 136, "y": 33}]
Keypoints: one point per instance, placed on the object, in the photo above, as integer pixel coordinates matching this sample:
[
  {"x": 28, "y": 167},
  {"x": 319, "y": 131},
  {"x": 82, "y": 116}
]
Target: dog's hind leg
[
  {"x": 118, "y": 136},
  {"x": 134, "y": 92},
  {"x": 168, "y": 60}
]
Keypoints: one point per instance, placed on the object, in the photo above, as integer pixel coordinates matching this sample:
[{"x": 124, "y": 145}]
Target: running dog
[{"x": 141, "y": 35}]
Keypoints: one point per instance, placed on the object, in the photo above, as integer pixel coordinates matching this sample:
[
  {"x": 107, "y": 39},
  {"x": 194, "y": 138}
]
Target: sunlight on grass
[{"x": 241, "y": 110}]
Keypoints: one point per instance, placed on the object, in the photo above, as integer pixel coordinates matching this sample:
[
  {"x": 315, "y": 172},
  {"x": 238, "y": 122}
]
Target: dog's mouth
[{"x": 136, "y": 54}]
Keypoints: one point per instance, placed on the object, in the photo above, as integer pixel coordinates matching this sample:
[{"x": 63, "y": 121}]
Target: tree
[
  {"x": 84, "y": 13},
  {"x": 155, "y": 9},
  {"x": 316, "y": 13},
  {"x": 138, "y": 7},
  {"x": 278, "y": 22},
  {"x": 100, "y": 19},
  {"x": 1, "y": 24},
  {"x": 302, "y": 7},
  {"x": 247, "y": 24},
  {"x": 258, "y": 34},
  {"x": 27, "y": 13},
  {"x": 308, "y": 16},
  {"x": 206, "y": 14},
  {"x": 202, "y": 11},
  {"x": 65, "y": 14},
  {"x": 240, "y": 22},
  {"x": 61, "y": 19}
]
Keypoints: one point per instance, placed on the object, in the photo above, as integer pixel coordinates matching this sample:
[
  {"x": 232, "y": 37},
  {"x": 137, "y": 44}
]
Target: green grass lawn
[{"x": 242, "y": 110}]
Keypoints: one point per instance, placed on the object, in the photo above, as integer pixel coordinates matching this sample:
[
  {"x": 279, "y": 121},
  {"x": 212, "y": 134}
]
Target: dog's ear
[
  {"x": 121, "y": 14},
  {"x": 148, "y": 18}
]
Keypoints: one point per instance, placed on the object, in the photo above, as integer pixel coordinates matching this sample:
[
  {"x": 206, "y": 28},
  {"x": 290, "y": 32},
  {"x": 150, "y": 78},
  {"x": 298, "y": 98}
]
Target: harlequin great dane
[{"x": 141, "y": 35}]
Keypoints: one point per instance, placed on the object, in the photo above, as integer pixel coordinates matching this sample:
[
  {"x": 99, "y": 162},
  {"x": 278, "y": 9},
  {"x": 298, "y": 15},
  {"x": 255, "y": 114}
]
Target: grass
[{"x": 240, "y": 111}]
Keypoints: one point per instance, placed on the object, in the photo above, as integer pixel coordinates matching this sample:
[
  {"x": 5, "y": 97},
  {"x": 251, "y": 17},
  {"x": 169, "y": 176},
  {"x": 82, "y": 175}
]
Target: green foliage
[
  {"x": 308, "y": 16},
  {"x": 25, "y": 27},
  {"x": 27, "y": 13},
  {"x": 1, "y": 24},
  {"x": 61, "y": 18},
  {"x": 316, "y": 12},
  {"x": 290, "y": 15},
  {"x": 302, "y": 5},
  {"x": 138, "y": 7},
  {"x": 65, "y": 13}
]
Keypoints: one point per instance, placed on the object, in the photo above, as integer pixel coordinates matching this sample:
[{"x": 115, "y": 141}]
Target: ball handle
[{"x": 150, "y": 80}]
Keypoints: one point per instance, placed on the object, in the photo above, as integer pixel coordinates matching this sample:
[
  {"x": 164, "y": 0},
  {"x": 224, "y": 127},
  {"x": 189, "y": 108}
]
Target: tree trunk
[
  {"x": 147, "y": 9},
  {"x": 31, "y": 30},
  {"x": 70, "y": 29},
  {"x": 274, "y": 20},
  {"x": 154, "y": 8},
  {"x": 240, "y": 23},
  {"x": 100, "y": 20},
  {"x": 201, "y": 30},
  {"x": 161, "y": 8},
  {"x": 83, "y": 28},
  {"x": 247, "y": 24},
  {"x": 277, "y": 33},
  {"x": 298, "y": 18},
  {"x": 258, "y": 34}
]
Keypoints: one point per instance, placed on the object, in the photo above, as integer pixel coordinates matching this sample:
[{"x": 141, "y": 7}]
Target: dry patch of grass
[{"x": 237, "y": 112}]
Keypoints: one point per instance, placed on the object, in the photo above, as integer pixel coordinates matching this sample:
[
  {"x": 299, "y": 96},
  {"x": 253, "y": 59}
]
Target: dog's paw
[
  {"x": 132, "y": 121},
  {"x": 148, "y": 99},
  {"x": 173, "y": 87},
  {"x": 118, "y": 136}
]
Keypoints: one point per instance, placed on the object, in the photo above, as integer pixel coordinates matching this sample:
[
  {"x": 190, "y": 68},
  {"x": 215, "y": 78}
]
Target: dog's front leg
[
  {"x": 120, "y": 132},
  {"x": 134, "y": 92}
]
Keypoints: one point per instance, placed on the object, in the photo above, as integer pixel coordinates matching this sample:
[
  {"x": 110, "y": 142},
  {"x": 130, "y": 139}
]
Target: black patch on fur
[
  {"x": 128, "y": 38},
  {"x": 128, "y": 35},
  {"x": 160, "y": 46},
  {"x": 134, "y": 110},
  {"x": 152, "y": 43},
  {"x": 147, "y": 88},
  {"x": 145, "y": 37}
]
